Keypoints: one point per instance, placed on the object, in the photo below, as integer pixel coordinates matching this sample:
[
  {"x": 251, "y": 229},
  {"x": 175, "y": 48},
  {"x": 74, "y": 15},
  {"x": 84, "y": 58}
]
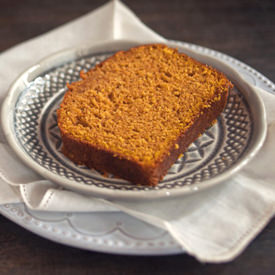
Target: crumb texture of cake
[{"x": 133, "y": 114}]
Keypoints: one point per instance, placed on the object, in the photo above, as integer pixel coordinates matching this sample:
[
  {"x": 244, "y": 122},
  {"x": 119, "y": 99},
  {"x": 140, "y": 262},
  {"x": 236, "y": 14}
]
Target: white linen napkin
[{"x": 214, "y": 225}]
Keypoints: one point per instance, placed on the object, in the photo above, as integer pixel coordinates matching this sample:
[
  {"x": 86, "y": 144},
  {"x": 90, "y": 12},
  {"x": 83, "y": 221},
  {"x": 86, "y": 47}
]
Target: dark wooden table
[{"x": 244, "y": 29}]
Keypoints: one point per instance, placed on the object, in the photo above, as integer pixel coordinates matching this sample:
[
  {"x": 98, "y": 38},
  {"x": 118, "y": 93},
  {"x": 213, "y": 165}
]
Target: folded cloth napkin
[{"x": 214, "y": 225}]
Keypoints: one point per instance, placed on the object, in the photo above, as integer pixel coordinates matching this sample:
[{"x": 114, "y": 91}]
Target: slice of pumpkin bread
[{"x": 135, "y": 113}]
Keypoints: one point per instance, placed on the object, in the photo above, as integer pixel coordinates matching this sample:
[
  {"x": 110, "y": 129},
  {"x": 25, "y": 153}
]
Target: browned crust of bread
[{"x": 102, "y": 160}]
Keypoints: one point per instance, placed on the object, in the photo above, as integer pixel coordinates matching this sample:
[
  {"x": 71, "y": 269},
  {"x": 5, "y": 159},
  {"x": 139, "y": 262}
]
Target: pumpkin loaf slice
[{"x": 135, "y": 113}]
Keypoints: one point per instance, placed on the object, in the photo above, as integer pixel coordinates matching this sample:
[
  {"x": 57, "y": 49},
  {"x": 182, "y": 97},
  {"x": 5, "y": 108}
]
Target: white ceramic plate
[
  {"x": 117, "y": 232},
  {"x": 29, "y": 122}
]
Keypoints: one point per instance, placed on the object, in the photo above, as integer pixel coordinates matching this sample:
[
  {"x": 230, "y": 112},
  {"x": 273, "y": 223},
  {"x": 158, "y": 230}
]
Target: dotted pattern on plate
[{"x": 37, "y": 132}]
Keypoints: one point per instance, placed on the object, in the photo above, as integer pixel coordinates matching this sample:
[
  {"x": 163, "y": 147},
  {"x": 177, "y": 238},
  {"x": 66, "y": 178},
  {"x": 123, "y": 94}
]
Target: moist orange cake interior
[{"x": 138, "y": 103}]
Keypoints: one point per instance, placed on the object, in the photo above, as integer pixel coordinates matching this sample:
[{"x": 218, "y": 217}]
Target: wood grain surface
[{"x": 243, "y": 29}]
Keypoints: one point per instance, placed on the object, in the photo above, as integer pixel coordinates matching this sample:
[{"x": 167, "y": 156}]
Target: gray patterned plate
[{"x": 29, "y": 121}]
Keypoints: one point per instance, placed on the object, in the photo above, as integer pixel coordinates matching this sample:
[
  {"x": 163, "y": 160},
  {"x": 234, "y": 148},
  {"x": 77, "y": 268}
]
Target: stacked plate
[{"x": 29, "y": 122}]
